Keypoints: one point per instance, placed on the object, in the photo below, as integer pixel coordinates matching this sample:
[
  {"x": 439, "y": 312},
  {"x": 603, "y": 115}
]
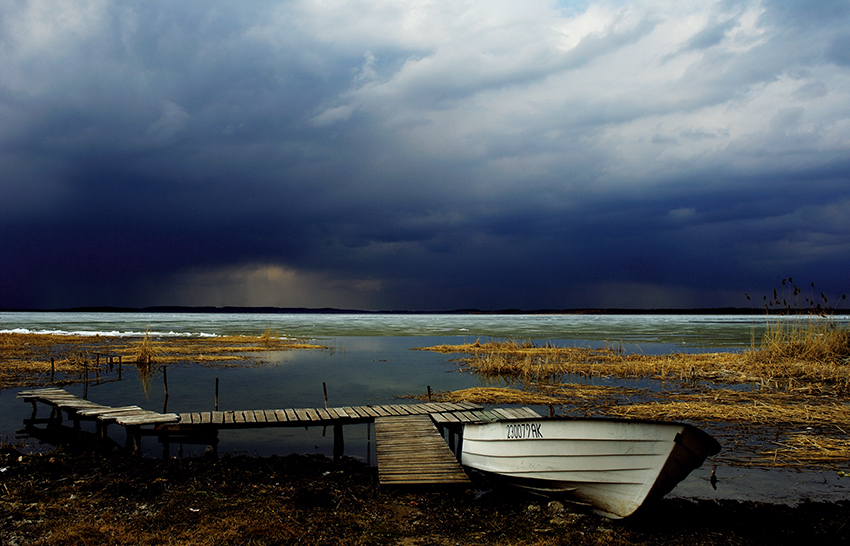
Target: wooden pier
[
  {"x": 411, "y": 451},
  {"x": 409, "y": 439}
]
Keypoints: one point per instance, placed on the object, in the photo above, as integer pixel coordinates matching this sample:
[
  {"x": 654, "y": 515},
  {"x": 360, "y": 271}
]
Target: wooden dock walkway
[
  {"x": 410, "y": 447},
  {"x": 412, "y": 452}
]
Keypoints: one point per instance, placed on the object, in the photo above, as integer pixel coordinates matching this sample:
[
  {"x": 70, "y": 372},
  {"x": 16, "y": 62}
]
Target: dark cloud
[{"x": 430, "y": 155}]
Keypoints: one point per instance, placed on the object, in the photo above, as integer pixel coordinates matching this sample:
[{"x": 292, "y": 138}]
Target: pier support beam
[{"x": 339, "y": 443}]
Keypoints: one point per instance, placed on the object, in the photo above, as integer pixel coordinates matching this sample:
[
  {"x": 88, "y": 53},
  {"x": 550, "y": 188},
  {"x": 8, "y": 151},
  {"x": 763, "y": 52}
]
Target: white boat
[{"x": 614, "y": 465}]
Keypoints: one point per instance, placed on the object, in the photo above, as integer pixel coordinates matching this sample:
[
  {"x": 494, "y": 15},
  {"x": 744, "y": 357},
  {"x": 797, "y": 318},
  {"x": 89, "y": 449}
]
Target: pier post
[
  {"x": 339, "y": 443},
  {"x": 165, "y": 385}
]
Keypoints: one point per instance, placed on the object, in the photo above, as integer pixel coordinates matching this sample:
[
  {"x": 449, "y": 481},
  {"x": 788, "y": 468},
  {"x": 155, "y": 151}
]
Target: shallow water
[{"x": 368, "y": 360}]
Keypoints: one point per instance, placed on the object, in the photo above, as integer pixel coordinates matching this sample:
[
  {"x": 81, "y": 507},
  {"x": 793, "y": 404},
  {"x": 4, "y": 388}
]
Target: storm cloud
[{"x": 422, "y": 154}]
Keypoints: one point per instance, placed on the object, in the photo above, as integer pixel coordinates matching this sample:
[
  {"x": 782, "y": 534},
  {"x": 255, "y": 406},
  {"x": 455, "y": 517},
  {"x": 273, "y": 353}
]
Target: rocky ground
[{"x": 77, "y": 497}]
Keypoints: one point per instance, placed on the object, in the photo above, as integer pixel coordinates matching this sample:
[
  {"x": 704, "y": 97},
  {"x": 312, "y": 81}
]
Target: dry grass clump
[
  {"x": 497, "y": 396},
  {"x": 728, "y": 406},
  {"x": 813, "y": 358},
  {"x": 806, "y": 449},
  {"x": 25, "y": 359}
]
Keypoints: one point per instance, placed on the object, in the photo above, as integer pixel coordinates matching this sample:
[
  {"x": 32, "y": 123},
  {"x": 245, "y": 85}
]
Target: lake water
[{"x": 368, "y": 360}]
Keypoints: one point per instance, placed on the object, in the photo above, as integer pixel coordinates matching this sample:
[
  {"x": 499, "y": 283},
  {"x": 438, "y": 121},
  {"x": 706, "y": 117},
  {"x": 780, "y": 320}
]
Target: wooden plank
[
  {"x": 147, "y": 419},
  {"x": 302, "y": 414},
  {"x": 229, "y": 417},
  {"x": 270, "y": 416},
  {"x": 362, "y": 412},
  {"x": 411, "y": 451},
  {"x": 530, "y": 413},
  {"x": 389, "y": 410},
  {"x": 206, "y": 418},
  {"x": 397, "y": 408},
  {"x": 488, "y": 415},
  {"x": 217, "y": 417},
  {"x": 281, "y": 415},
  {"x": 432, "y": 407},
  {"x": 380, "y": 411},
  {"x": 238, "y": 417},
  {"x": 359, "y": 412},
  {"x": 34, "y": 393},
  {"x": 447, "y": 417},
  {"x": 259, "y": 416},
  {"x": 249, "y": 416},
  {"x": 312, "y": 414},
  {"x": 509, "y": 413},
  {"x": 503, "y": 413},
  {"x": 324, "y": 415},
  {"x": 290, "y": 415},
  {"x": 93, "y": 412},
  {"x": 78, "y": 404}
]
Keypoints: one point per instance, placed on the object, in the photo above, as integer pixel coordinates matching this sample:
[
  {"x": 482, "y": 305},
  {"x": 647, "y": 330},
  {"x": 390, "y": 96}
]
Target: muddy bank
[{"x": 108, "y": 497}]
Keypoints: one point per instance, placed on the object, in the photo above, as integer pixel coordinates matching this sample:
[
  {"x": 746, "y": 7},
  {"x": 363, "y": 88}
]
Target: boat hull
[{"x": 613, "y": 465}]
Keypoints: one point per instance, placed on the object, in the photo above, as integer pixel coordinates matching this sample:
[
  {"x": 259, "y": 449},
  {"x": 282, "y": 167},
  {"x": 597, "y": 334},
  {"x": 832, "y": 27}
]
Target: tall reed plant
[{"x": 801, "y": 328}]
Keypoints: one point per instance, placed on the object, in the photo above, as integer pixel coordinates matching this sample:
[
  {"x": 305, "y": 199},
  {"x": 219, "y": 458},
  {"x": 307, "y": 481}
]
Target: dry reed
[
  {"x": 25, "y": 359},
  {"x": 814, "y": 360}
]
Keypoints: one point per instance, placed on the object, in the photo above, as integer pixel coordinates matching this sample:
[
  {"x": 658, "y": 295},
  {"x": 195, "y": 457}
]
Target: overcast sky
[{"x": 422, "y": 154}]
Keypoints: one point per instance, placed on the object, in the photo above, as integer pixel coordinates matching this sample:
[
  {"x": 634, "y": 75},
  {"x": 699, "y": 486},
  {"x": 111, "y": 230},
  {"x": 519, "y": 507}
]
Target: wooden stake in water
[
  {"x": 165, "y": 384},
  {"x": 325, "y": 389}
]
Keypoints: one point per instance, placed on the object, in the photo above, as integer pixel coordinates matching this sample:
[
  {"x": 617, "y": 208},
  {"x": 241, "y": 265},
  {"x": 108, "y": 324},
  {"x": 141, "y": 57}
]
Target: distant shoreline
[{"x": 331, "y": 310}]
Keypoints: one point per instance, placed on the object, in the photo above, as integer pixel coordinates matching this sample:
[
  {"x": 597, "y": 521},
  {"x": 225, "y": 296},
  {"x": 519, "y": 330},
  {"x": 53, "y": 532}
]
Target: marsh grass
[
  {"x": 807, "y": 449},
  {"x": 25, "y": 359},
  {"x": 812, "y": 358},
  {"x": 795, "y": 381}
]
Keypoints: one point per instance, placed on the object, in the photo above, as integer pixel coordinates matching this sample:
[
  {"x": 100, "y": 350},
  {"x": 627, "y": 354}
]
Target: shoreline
[{"x": 69, "y": 497}]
